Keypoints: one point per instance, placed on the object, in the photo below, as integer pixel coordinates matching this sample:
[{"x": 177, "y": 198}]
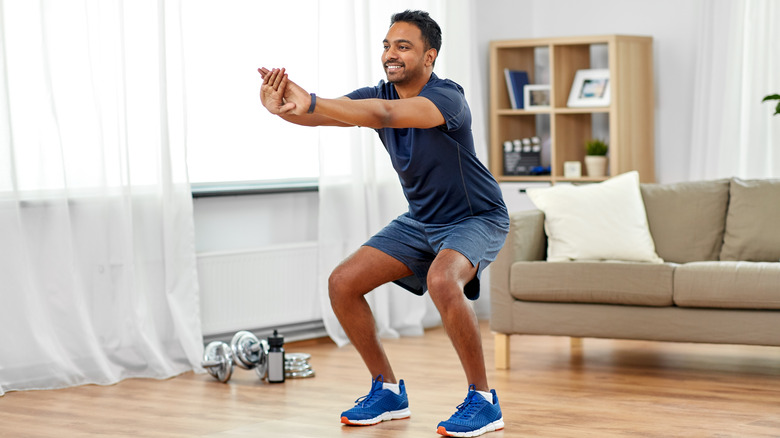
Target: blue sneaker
[
  {"x": 474, "y": 417},
  {"x": 378, "y": 405}
]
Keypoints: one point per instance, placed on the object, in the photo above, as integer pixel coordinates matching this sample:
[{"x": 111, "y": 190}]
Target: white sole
[
  {"x": 492, "y": 427},
  {"x": 385, "y": 416}
]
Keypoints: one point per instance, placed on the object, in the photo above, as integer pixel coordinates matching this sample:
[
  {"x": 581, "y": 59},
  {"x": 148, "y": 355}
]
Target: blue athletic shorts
[{"x": 415, "y": 244}]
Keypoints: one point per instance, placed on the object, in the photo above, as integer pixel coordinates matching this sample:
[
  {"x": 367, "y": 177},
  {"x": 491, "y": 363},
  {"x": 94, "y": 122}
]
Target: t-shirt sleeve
[
  {"x": 449, "y": 99},
  {"x": 363, "y": 93}
]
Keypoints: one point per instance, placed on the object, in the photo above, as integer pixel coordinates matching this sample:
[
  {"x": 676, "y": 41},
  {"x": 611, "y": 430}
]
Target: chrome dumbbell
[
  {"x": 218, "y": 360},
  {"x": 250, "y": 353}
]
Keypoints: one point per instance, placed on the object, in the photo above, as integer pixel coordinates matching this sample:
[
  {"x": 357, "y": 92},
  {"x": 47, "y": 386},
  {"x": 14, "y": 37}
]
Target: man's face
[{"x": 404, "y": 57}]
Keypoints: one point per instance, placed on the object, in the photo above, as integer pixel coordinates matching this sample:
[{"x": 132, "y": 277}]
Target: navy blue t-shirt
[{"x": 441, "y": 176}]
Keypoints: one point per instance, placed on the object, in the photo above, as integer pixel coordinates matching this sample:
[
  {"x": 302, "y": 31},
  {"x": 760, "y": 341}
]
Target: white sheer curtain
[
  {"x": 359, "y": 190},
  {"x": 97, "y": 261},
  {"x": 733, "y": 133}
]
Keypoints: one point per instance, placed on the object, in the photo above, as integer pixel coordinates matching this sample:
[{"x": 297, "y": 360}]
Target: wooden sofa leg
[
  {"x": 502, "y": 351},
  {"x": 576, "y": 343}
]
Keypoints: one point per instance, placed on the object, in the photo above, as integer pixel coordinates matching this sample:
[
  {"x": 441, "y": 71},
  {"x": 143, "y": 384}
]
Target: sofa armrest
[{"x": 526, "y": 241}]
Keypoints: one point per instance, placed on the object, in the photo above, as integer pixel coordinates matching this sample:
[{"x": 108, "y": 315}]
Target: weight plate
[
  {"x": 262, "y": 365},
  {"x": 247, "y": 350},
  {"x": 221, "y": 353},
  {"x": 299, "y": 375},
  {"x": 296, "y": 368},
  {"x": 297, "y": 357}
]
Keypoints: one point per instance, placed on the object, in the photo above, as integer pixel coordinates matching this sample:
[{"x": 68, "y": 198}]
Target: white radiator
[{"x": 258, "y": 289}]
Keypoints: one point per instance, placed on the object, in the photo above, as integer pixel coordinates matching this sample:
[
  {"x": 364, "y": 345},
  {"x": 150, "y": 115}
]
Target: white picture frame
[
  {"x": 572, "y": 169},
  {"x": 590, "y": 88},
  {"x": 536, "y": 96}
]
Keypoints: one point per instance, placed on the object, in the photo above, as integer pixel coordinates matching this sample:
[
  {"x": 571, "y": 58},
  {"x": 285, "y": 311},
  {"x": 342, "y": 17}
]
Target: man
[{"x": 455, "y": 226}]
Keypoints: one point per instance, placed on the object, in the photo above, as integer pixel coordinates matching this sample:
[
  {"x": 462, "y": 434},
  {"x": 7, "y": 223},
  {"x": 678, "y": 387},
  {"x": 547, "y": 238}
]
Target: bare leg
[
  {"x": 359, "y": 274},
  {"x": 448, "y": 275}
]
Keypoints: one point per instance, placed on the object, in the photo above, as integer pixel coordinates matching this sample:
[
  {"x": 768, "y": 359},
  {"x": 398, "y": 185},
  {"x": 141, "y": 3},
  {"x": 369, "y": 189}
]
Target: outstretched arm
[
  {"x": 273, "y": 95},
  {"x": 414, "y": 112}
]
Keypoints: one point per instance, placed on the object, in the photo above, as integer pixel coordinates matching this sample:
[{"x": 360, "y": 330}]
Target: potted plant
[
  {"x": 596, "y": 157},
  {"x": 774, "y": 97}
]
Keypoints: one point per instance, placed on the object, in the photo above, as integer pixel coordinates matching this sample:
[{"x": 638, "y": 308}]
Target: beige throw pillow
[
  {"x": 753, "y": 221},
  {"x": 687, "y": 219}
]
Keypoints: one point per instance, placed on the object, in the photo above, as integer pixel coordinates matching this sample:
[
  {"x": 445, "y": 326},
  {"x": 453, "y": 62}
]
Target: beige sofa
[{"x": 719, "y": 283}]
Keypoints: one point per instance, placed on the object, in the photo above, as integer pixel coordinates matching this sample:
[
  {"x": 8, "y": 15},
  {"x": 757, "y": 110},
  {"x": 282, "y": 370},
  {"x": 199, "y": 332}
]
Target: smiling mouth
[{"x": 393, "y": 67}]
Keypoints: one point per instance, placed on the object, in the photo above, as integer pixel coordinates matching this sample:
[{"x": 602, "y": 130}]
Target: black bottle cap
[{"x": 276, "y": 340}]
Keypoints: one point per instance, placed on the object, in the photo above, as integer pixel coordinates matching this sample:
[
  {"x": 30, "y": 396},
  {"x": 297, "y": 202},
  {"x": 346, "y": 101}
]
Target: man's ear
[{"x": 430, "y": 56}]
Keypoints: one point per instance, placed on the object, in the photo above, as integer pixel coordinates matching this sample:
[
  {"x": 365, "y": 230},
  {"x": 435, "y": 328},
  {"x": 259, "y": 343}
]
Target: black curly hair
[{"x": 431, "y": 32}]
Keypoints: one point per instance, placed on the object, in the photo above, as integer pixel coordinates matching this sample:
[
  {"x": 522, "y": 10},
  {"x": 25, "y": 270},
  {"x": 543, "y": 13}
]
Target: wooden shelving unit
[{"x": 630, "y": 114}]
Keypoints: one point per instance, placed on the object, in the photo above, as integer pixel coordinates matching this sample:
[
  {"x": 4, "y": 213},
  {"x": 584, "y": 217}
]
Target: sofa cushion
[
  {"x": 687, "y": 219},
  {"x": 753, "y": 221},
  {"x": 602, "y": 221},
  {"x": 729, "y": 285},
  {"x": 637, "y": 284}
]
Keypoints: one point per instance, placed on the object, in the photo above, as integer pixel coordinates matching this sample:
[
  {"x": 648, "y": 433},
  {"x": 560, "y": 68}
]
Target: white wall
[{"x": 673, "y": 24}]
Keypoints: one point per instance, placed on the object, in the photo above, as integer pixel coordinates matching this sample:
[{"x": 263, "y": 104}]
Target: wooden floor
[{"x": 606, "y": 388}]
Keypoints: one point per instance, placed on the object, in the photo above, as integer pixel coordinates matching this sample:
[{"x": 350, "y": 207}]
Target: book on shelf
[{"x": 515, "y": 81}]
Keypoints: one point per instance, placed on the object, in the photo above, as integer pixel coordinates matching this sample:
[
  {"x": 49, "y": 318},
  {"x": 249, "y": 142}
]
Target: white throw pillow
[{"x": 602, "y": 221}]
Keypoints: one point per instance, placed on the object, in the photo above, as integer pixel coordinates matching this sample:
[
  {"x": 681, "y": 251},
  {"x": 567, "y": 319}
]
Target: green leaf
[
  {"x": 777, "y": 110},
  {"x": 771, "y": 97},
  {"x": 596, "y": 147}
]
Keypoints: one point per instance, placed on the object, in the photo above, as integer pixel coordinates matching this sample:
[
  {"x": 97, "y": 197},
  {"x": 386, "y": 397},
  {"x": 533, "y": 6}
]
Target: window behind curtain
[
  {"x": 63, "y": 77},
  {"x": 230, "y": 136}
]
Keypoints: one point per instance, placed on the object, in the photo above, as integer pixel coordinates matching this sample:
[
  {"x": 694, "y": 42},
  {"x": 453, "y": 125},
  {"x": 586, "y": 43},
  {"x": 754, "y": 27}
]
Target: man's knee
[
  {"x": 443, "y": 288},
  {"x": 337, "y": 284},
  {"x": 343, "y": 283}
]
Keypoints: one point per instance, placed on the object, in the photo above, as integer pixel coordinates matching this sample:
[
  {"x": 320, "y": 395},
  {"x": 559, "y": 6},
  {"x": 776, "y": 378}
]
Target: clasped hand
[{"x": 279, "y": 95}]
